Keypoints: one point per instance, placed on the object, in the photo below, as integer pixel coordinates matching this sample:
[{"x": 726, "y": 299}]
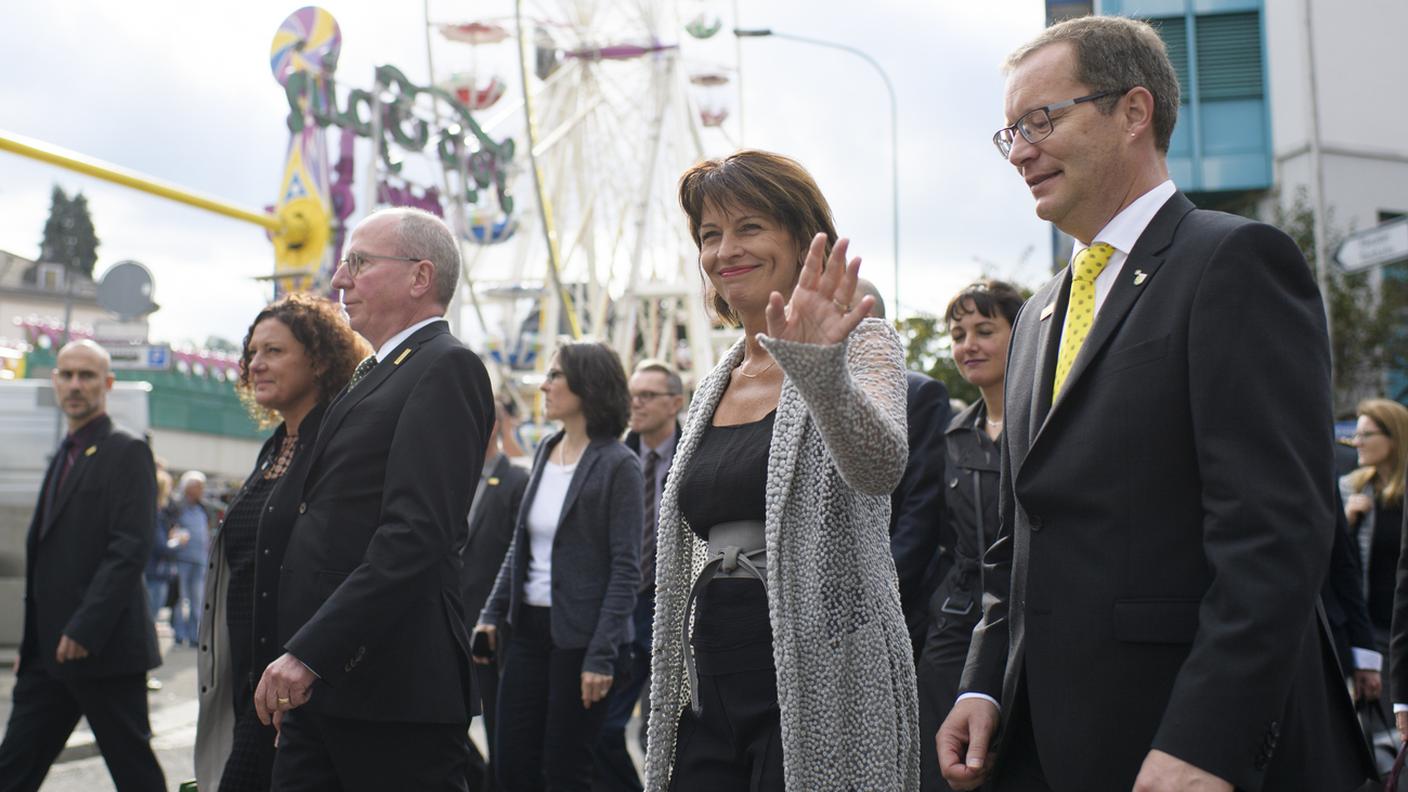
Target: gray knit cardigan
[{"x": 845, "y": 675}]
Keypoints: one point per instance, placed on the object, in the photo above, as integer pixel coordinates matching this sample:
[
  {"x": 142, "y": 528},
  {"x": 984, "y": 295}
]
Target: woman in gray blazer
[{"x": 567, "y": 587}]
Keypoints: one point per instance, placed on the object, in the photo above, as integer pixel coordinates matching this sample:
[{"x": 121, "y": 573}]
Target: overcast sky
[{"x": 182, "y": 91}]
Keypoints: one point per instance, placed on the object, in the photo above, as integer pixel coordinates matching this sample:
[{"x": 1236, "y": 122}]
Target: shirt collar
[
  {"x": 665, "y": 450},
  {"x": 396, "y": 340},
  {"x": 88, "y": 431},
  {"x": 1125, "y": 229}
]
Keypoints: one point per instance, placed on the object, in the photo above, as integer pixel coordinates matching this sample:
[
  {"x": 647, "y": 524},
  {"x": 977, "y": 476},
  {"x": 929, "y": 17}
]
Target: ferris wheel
[{"x": 608, "y": 101}]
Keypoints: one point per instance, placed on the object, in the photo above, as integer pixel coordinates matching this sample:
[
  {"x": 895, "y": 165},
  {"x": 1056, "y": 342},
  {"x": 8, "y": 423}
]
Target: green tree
[
  {"x": 928, "y": 349},
  {"x": 69, "y": 237},
  {"x": 1366, "y": 336}
]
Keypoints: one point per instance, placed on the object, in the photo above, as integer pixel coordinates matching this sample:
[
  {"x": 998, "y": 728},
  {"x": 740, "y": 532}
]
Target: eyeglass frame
[
  {"x": 1360, "y": 437},
  {"x": 1048, "y": 110},
  {"x": 356, "y": 269},
  {"x": 645, "y": 397}
]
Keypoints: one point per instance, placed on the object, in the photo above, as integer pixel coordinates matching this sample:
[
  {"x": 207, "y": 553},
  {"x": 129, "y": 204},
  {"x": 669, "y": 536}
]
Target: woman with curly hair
[{"x": 298, "y": 354}]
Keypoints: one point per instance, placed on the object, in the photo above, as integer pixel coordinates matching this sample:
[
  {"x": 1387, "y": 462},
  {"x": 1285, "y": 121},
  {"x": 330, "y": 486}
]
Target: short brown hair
[
  {"x": 594, "y": 373},
  {"x": 1391, "y": 418},
  {"x": 763, "y": 182},
  {"x": 1116, "y": 54},
  {"x": 328, "y": 340}
]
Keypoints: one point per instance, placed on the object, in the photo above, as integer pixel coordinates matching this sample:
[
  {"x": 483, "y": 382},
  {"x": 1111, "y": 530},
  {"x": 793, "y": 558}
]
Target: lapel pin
[
  {"x": 1140, "y": 276},
  {"x": 1047, "y": 311},
  {"x": 401, "y": 357},
  {"x": 91, "y": 451},
  {"x": 493, "y": 481}
]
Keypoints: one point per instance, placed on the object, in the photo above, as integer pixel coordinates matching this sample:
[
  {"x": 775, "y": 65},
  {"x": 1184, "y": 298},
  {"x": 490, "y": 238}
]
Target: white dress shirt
[{"x": 395, "y": 341}]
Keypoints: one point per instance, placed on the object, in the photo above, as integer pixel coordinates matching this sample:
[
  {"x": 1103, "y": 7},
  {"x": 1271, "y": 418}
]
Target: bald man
[{"x": 88, "y": 637}]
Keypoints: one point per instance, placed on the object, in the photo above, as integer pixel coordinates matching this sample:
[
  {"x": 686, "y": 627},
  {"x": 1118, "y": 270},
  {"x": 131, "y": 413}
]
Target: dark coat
[
  {"x": 971, "y": 510},
  {"x": 1398, "y": 635},
  {"x": 1343, "y": 595},
  {"x": 492, "y": 519},
  {"x": 369, "y": 592},
  {"x": 917, "y": 504},
  {"x": 648, "y": 532},
  {"x": 595, "y": 552},
  {"x": 1166, "y": 522},
  {"x": 84, "y": 559}
]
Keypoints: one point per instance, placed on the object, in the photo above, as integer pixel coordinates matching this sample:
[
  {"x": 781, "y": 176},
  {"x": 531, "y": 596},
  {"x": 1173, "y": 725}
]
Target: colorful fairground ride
[{"x": 589, "y": 108}]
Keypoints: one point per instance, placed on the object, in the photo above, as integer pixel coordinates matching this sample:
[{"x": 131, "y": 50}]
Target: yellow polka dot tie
[{"x": 1080, "y": 311}]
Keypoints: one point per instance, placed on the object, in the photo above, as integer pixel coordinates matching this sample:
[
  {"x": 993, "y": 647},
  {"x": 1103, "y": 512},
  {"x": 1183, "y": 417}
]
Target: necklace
[
  {"x": 758, "y": 374},
  {"x": 993, "y": 424},
  {"x": 562, "y": 452}
]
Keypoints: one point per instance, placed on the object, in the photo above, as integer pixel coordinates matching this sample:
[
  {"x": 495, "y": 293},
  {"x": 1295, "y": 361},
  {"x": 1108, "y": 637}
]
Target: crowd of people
[{"x": 1105, "y": 573}]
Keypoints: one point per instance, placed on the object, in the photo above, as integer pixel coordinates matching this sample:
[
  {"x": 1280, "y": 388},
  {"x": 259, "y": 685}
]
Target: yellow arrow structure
[{"x": 291, "y": 227}]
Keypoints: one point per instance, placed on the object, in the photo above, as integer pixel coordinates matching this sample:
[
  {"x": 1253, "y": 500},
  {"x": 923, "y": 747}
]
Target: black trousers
[
  {"x": 735, "y": 743},
  {"x": 322, "y": 753},
  {"x": 940, "y": 667},
  {"x": 46, "y": 710},
  {"x": 544, "y": 736}
]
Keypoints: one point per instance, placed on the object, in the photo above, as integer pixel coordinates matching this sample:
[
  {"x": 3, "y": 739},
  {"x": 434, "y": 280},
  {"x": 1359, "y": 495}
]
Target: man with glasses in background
[
  {"x": 657, "y": 397},
  {"x": 374, "y": 690},
  {"x": 1150, "y": 607}
]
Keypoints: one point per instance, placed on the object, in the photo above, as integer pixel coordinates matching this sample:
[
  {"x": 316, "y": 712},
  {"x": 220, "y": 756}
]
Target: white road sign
[{"x": 1385, "y": 243}]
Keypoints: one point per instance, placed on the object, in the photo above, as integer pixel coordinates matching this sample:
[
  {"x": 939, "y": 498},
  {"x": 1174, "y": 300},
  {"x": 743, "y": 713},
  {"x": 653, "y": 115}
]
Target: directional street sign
[
  {"x": 146, "y": 357},
  {"x": 1386, "y": 243}
]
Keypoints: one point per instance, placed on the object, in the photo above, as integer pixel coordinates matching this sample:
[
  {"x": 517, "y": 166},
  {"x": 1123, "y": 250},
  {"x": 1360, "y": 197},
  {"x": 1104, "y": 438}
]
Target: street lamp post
[{"x": 894, "y": 129}]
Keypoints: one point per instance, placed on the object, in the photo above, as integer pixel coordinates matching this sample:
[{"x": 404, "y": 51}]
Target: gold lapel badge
[
  {"x": 404, "y": 354},
  {"x": 493, "y": 481},
  {"x": 1140, "y": 276},
  {"x": 91, "y": 451},
  {"x": 1047, "y": 311}
]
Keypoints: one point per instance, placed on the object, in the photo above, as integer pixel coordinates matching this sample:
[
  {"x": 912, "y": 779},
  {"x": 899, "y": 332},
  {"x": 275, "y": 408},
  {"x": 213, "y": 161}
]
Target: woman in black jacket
[
  {"x": 567, "y": 587},
  {"x": 979, "y": 320},
  {"x": 298, "y": 354}
]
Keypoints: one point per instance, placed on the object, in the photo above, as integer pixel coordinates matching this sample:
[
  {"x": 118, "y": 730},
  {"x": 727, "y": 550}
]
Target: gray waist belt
[{"x": 736, "y": 550}]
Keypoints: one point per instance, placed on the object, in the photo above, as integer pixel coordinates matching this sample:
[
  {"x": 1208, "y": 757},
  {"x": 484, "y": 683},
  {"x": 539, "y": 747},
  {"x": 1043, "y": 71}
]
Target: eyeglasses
[
  {"x": 356, "y": 262},
  {"x": 1036, "y": 125},
  {"x": 648, "y": 396},
  {"x": 1360, "y": 437}
]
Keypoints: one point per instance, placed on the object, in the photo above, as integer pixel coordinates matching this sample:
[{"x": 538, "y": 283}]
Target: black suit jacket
[
  {"x": 595, "y": 555},
  {"x": 491, "y": 522},
  {"x": 84, "y": 560},
  {"x": 1343, "y": 595},
  {"x": 917, "y": 504},
  {"x": 1166, "y": 523},
  {"x": 369, "y": 592}
]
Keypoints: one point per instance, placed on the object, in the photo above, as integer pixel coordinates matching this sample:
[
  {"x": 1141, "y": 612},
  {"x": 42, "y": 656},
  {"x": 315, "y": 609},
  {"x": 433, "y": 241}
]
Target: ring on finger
[
  {"x": 844, "y": 308},
  {"x": 283, "y": 701}
]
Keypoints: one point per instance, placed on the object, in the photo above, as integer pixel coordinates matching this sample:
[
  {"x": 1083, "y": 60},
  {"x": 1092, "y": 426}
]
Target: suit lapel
[
  {"x": 584, "y": 469},
  {"x": 384, "y": 369},
  {"x": 1135, "y": 279},
  {"x": 86, "y": 457},
  {"x": 1051, "y": 319},
  {"x": 482, "y": 493}
]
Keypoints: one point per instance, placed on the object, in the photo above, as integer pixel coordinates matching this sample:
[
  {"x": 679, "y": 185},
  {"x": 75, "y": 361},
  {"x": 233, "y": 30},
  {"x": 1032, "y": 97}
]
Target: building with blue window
[{"x": 1249, "y": 136}]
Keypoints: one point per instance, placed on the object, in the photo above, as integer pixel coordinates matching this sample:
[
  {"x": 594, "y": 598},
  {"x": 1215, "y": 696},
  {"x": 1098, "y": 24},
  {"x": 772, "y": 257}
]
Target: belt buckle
[{"x": 951, "y": 608}]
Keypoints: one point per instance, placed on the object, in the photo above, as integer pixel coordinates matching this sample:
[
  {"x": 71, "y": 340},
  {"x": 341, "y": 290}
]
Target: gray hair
[
  {"x": 425, "y": 236},
  {"x": 672, "y": 376},
  {"x": 1116, "y": 54},
  {"x": 191, "y": 476},
  {"x": 865, "y": 287}
]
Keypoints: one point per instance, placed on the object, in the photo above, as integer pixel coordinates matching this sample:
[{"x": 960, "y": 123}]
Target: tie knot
[
  {"x": 363, "y": 369},
  {"x": 1091, "y": 262}
]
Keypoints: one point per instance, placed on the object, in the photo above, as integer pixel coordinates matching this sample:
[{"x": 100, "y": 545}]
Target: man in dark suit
[
  {"x": 657, "y": 397},
  {"x": 88, "y": 637},
  {"x": 492, "y": 518},
  {"x": 1150, "y": 609},
  {"x": 374, "y": 690},
  {"x": 917, "y": 504}
]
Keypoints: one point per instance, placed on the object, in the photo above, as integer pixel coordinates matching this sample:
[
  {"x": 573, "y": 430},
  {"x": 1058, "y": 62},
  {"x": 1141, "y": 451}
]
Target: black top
[
  {"x": 1383, "y": 562},
  {"x": 241, "y": 530},
  {"x": 731, "y": 628}
]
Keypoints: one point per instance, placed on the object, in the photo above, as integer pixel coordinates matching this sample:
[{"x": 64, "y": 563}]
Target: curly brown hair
[{"x": 327, "y": 339}]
